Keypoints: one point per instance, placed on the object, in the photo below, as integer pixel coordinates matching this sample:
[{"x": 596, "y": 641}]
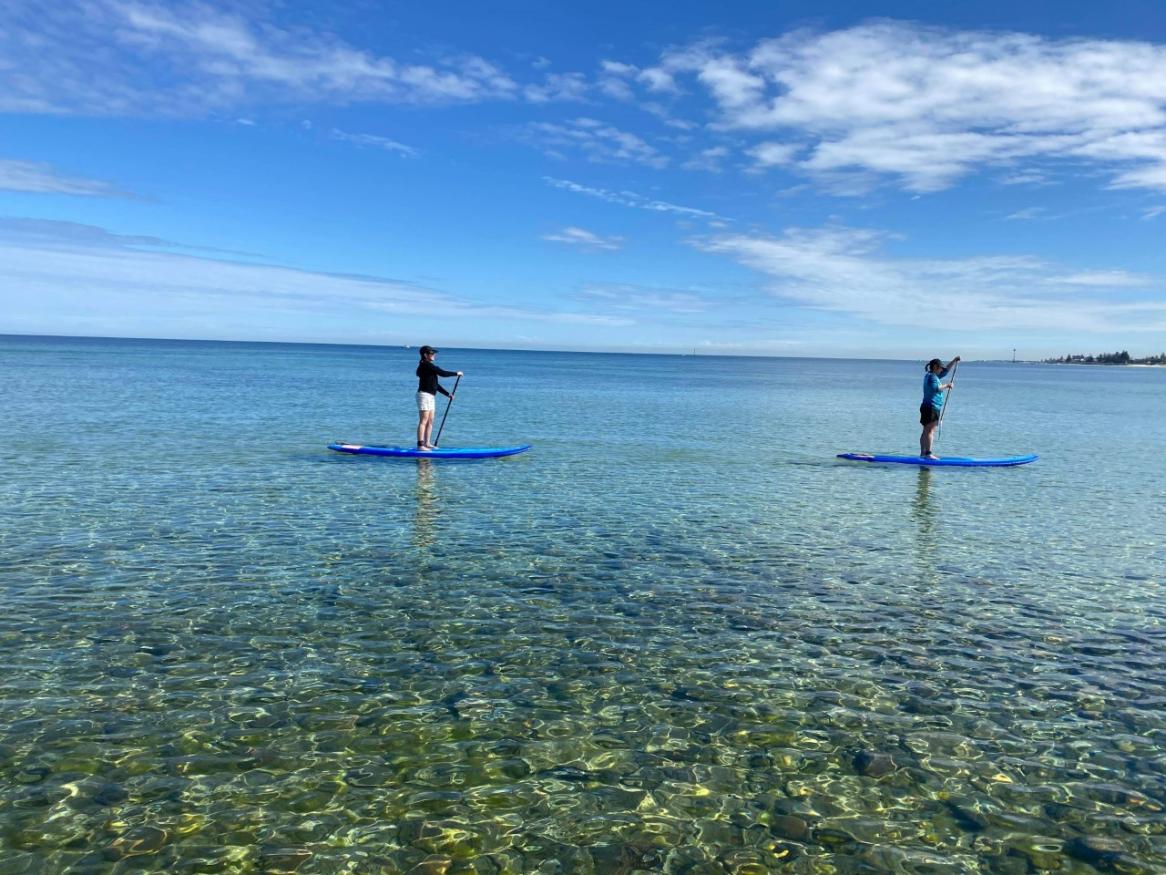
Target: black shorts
[{"x": 927, "y": 414}]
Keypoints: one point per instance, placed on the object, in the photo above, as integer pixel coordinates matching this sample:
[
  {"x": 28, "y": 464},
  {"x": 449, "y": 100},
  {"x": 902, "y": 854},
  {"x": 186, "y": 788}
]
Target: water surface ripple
[{"x": 676, "y": 636}]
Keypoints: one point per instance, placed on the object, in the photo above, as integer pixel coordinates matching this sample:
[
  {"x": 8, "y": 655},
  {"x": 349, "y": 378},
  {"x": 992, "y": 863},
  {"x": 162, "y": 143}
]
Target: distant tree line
[{"x": 1109, "y": 358}]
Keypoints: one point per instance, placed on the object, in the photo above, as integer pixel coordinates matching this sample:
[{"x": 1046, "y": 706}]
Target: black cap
[{"x": 426, "y": 350}]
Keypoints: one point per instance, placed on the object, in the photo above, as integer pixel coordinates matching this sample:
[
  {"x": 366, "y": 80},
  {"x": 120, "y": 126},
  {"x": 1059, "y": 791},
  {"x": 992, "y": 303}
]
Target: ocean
[{"x": 677, "y": 635}]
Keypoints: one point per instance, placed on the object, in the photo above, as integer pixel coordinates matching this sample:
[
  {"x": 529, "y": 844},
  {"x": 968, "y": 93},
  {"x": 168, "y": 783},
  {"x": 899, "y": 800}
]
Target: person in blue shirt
[{"x": 934, "y": 394}]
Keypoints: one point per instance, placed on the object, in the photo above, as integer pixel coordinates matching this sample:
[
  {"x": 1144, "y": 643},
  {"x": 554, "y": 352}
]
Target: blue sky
[{"x": 842, "y": 179}]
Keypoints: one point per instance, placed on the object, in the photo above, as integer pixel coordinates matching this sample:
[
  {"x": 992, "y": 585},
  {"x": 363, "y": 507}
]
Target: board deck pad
[
  {"x": 440, "y": 453},
  {"x": 942, "y": 461}
]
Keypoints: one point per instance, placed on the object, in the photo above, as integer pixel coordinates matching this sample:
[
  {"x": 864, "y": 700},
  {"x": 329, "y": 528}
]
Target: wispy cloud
[
  {"x": 629, "y": 296},
  {"x": 773, "y": 154},
  {"x": 118, "y": 57},
  {"x": 584, "y": 239},
  {"x": 843, "y": 270},
  {"x": 613, "y": 80},
  {"x": 628, "y": 199},
  {"x": 595, "y": 140},
  {"x": 928, "y": 106},
  {"x": 1029, "y": 177},
  {"x": 708, "y": 159},
  {"x": 1106, "y": 279},
  {"x": 617, "y": 78},
  {"x": 100, "y": 280},
  {"x": 1027, "y": 214},
  {"x": 375, "y": 141},
  {"x": 657, "y": 80},
  {"x": 33, "y": 176},
  {"x": 558, "y": 87},
  {"x": 50, "y": 233}
]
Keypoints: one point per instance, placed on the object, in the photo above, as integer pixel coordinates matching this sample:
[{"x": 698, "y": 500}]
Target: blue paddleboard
[
  {"x": 942, "y": 462},
  {"x": 442, "y": 453}
]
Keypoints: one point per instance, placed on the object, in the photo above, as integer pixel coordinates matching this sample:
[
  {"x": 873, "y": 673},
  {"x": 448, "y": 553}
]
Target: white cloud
[
  {"x": 928, "y": 106},
  {"x": 843, "y": 270},
  {"x": 613, "y": 80},
  {"x": 31, "y": 176},
  {"x": 617, "y": 68},
  {"x": 48, "y": 234},
  {"x": 97, "y": 280},
  {"x": 666, "y": 115},
  {"x": 1026, "y": 177},
  {"x": 1105, "y": 279},
  {"x": 1144, "y": 177},
  {"x": 597, "y": 141},
  {"x": 628, "y": 296},
  {"x": 657, "y": 79},
  {"x": 109, "y": 57},
  {"x": 771, "y": 154},
  {"x": 627, "y": 199},
  {"x": 733, "y": 86},
  {"x": 584, "y": 239},
  {"x": 377, "y": 142},
  {"x": 1027, "y": 214},
  {"x": 615, "y": 87},
  {"x": 557, "y": 87},
  {"x": 1153, "y": 212},
  {"x": 708, "y": 159}
]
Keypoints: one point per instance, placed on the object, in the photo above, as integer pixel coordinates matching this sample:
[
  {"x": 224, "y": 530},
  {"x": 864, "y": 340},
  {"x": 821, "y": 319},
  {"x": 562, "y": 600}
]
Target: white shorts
[{"x": 425, "y": 401}]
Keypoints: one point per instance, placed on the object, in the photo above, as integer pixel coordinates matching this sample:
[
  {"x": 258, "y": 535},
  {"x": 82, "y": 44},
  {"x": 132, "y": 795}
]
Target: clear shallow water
[{"x": 676, "y": 636}]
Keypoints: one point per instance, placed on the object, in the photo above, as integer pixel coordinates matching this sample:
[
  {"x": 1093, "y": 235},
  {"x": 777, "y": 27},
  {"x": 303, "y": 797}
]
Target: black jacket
[{"x": 427, "y": 374}]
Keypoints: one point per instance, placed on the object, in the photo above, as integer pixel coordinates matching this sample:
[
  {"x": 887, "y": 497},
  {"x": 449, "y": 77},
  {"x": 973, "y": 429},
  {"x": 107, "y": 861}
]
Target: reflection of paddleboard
[
  {"x": 942, "y": 462},
  {"x": 442, "y": 453}
]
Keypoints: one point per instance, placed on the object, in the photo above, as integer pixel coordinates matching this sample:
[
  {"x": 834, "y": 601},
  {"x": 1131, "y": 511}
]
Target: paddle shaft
[
  {"x": 946, "y": 401},
  {"x": 448, "y": 404}
]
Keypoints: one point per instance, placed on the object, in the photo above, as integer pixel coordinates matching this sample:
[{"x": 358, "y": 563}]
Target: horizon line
[{"x": 693, "y": 354}]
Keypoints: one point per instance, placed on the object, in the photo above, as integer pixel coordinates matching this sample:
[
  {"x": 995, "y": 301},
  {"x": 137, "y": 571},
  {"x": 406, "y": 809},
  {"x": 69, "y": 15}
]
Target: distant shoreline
[
  {"x": 1122, "y": 357},
  {"x": 1104, "y": 364}
]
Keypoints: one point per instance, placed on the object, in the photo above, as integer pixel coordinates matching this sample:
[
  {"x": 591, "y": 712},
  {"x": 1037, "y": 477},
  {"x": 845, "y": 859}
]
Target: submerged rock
[
  {"x": 789, "y": 826},
  {"x": 568, "y": 773},
  {"x": 1103, "y": 852},
  {"x": 835, "y": 839},
  {"x": 31, "y": 774},
  {"x": 110, "y": 794},
  {"x": 139, "y": 841},
  {"x": 283, "y": 861},
  {"x": 874, "y": 764},
  {"x": 627, "y": 857},
  {"x": 968, "y": 817},
  {"x": 434, "y": 864},
  {"x": 1044, "y": 853}
]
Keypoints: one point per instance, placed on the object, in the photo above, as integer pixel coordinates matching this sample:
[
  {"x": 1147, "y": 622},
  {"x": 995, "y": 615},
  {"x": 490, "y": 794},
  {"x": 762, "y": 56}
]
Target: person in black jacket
[{"x": 427, "y": 389}]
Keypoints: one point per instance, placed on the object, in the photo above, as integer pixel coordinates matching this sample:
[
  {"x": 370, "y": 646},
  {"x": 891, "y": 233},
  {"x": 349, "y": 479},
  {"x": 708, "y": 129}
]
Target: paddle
[
  {"x": 448, "y": 404},
  {"x": 946, "y": 402}
]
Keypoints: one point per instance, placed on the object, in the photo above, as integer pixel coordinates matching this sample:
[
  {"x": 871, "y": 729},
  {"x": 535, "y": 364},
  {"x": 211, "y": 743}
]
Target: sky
[{"x": 902, "y": 179}]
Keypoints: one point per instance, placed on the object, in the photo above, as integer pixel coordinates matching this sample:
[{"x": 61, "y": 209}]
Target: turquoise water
[{"x": 676, "y": 636}]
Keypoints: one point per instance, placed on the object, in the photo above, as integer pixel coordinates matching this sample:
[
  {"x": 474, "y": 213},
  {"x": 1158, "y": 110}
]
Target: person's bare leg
[
  {"x": 429, "y": 430},
  {"x": 424, "y": 426},
  {"x": 926, "y": 439}
]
